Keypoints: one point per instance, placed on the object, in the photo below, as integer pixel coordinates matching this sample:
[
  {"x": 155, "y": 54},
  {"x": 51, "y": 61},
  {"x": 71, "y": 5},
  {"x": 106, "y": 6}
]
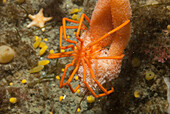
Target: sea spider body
[{"x": 86, "y": 50}]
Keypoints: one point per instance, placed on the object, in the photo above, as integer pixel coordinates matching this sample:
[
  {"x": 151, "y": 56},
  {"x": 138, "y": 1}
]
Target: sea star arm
[
  {"x": 32, "y": 17},
  {"x": 47, "y": 18},
  {"x": 33, "y": 23}
]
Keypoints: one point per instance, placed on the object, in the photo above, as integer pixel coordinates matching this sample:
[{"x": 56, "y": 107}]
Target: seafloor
[{"x": 148, "y": 54}]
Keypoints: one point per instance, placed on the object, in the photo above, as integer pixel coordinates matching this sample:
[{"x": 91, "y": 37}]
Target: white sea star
[{"x": 38, "y": 20}]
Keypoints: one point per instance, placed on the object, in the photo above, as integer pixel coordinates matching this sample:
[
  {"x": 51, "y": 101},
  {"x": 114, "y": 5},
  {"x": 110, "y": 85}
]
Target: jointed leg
[
  {"x": 71, "y": 77},
  {"x": 93, "y": 76},
  {"x": 89, "y": 88},
  {"x": 111, "y": 57},
  {"x": 59, "y": 55},
  {"x": 109, "y": 33},
  {"x": 80, "y": 24},
  {"x": 108, "y": 92},
  {"x": 73, "y": 21},
  {"x": 64, "y": 73},
  {"x": 70, "y": 41},
  {"x": 84, "y": 80},
  {"x": 66, "y": 39},
  {"x": 64, "y": 25}
]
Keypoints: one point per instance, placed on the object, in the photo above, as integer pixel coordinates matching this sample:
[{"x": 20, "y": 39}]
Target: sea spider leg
[
  {"x": 60, "y": 40},
  {"x": 110, "y": 57},
  {"x": 108, "y": 92},
  {"x": 64, "y": 73},
  {"x": 64, "y": 30},
  {"x": 84, "y": 80},
  {"x": 109, "y": 33},
  {"x": 80, "y": 24},
  {"x": 59, "y": 55},
  {"x": 88, "y": 87},
  {"x": 73, "y": 21},
  {"x": 71, "y": 77},
  {"x": 94, "y": 78},
  {"x": 66, "y": 39}
]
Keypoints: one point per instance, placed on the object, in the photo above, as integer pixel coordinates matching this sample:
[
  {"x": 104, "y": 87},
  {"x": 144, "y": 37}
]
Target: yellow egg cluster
[
  {"x": 51, "y": 51},
  {"x": 42, "y": 45},
  {"x": 42, "y": 51},
  {"x": 78, "y": 110},
  {"x": 90, "y": 99},
  {"x": 45, "y": 39},
  {"x": 68, "y": 36},
  {"x": 11, "y": 84},
  {"x": 24, "y": 81},
  {"x": 78, "y": 91},
  {"x": 75, "y": 17},
  {"x": 36, "y": 69},
  {"x": 37, "y": 42},
  {"x": 74, "y": 14},
  {"x": 76, "y": 10},
  {"x": 76, "y": 78},
  {"x": 43, "y": 62},
  {"x": 58, "y": 77},
  {"x": 13, "y": 100},
  {"x": 62, "y": 50},
  {"x": 61, "y": 98},
  {"x": 62, "y": 69}
]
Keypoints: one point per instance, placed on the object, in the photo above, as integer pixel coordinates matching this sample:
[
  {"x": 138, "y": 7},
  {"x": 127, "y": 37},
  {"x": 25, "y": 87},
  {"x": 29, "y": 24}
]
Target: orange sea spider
[{"x": 89, "y": 49}]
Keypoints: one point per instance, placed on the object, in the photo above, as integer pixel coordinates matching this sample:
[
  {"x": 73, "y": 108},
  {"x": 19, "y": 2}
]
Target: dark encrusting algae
[{"x": 148, "y": 50}]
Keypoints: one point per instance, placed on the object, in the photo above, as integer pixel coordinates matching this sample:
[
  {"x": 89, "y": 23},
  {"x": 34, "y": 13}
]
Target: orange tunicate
[{"x": 107, "y": 15}]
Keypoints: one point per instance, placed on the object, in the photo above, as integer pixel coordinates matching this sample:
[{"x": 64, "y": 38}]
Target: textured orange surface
[{"x": 107, "y": 15}]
